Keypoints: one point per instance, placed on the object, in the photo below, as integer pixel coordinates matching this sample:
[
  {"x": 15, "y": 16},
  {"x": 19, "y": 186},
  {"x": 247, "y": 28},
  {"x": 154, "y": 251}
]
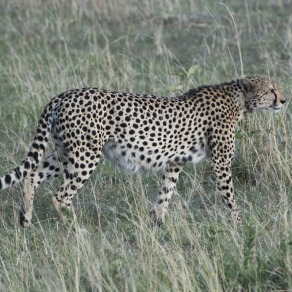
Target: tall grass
[{"x": 160, "y": 47}]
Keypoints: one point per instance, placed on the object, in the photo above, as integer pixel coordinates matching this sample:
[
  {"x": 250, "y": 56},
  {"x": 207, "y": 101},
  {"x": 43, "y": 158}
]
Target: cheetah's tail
[{"x": 35, "y": 153}]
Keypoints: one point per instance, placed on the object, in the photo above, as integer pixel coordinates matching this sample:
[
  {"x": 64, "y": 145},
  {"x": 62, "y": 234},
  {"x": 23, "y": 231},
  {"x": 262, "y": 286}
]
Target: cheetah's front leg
[
  {"x": 221, "y": 155},
  {"x": 225, "y": 186},
  {"x": 167, "y": 187}
]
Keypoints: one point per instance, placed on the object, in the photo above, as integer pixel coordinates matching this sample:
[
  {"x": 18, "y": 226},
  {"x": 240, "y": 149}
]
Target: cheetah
[{"x": 140, "y": 133}]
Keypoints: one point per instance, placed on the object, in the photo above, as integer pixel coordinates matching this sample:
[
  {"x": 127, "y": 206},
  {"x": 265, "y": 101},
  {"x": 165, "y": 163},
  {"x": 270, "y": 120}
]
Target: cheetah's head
[{"x": 261, "y": 93}]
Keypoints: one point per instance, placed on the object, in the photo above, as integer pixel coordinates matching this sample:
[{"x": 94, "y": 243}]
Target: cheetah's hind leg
[
  {"x": 49, "y": 168},
  {"x": 75, "y": 175}
]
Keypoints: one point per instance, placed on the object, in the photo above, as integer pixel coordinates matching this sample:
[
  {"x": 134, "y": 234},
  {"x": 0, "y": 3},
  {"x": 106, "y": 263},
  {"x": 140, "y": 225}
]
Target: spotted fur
[{"x": 140, "y": 133}]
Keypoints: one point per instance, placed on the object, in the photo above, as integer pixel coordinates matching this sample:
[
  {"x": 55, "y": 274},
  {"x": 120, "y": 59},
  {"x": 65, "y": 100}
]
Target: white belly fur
[{"x": 124, "y": 159}]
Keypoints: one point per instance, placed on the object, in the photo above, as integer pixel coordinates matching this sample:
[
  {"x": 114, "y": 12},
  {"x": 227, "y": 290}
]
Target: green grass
[{"x": 160, "y": 47}]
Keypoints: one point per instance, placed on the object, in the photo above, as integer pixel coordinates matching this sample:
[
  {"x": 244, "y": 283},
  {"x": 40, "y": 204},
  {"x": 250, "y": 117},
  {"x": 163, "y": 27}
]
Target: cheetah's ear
[{"x": 246, "y": 84}]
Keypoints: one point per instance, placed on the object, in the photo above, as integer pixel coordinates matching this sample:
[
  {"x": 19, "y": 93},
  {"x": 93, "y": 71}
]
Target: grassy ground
[{"x": 160, "y": 47}]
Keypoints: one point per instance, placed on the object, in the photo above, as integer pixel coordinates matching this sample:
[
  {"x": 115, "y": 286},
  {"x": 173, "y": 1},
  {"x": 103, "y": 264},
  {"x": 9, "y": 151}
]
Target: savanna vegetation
[{"x": 162, "y": 47}]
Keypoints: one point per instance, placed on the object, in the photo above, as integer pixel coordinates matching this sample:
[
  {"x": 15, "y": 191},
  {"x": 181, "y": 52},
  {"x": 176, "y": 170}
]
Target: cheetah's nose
[{"x": 283, "y": 101}]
